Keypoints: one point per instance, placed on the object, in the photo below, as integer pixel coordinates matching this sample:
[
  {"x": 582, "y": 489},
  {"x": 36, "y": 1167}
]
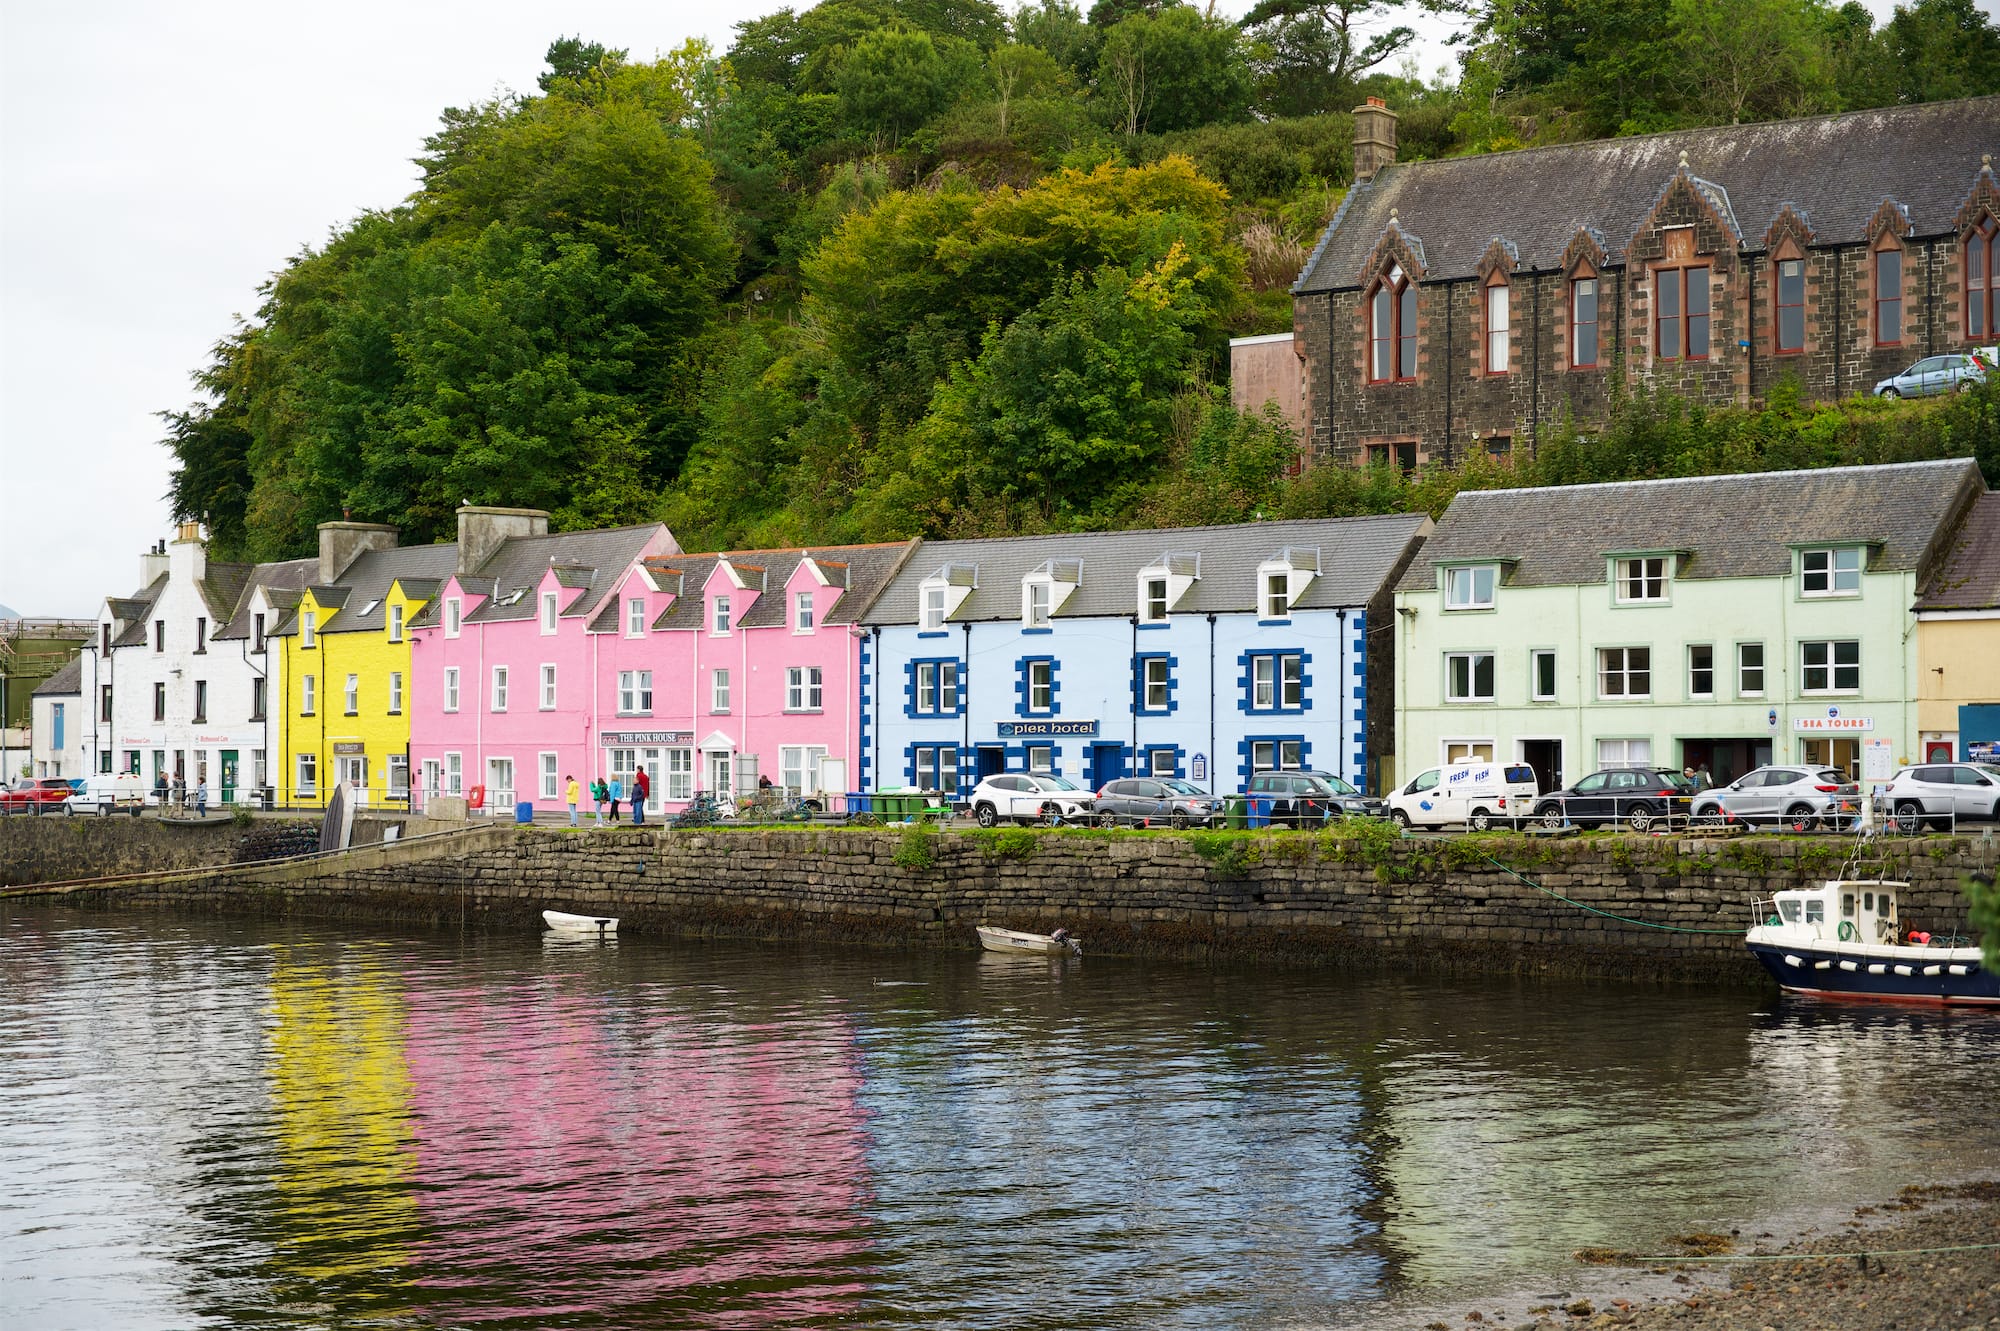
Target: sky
[{"x": 158, "y": 162}]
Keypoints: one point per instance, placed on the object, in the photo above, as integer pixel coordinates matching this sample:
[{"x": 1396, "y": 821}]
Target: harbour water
[{"x": 239, "y": 1123}]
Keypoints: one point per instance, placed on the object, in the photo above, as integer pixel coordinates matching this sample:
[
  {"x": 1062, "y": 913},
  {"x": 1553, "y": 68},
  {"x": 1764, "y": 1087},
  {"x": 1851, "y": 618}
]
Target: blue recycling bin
[{"x": 524, "y": 812}]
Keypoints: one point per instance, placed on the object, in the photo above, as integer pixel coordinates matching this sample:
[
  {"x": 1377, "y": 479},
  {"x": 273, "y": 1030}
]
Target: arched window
[
  {"x": 1583, "y": 348},
  {"x": 1788, "y": 296},
  {"x": 1888, "y": 294},
  {"x": 1392, "y": 328},
  {"x": 1981, "y": 290},
  {"x": 1496, "y": 324}
]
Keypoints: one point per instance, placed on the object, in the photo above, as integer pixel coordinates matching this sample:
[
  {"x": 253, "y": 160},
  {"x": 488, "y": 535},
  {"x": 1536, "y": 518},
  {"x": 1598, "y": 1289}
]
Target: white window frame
[
  {"x": 1471, "y": 661},
  {"x": 718, "y": 692},
  {"x": 1154, "y": 599},
  {"x": 549, "y": 613},
  {"x": 451, "y": 688},
  {"x": 305, "y": 771},
  {"x": 802, "y": 612},
  {"x": 1637, "y": 572},
  {"x": 924, "y": 686},
  {"x": 679, "y": 773},
  {"x": 804, "y": 689},
  {"x": 635, "y": 693},
  {"x": 308, "y": 629},
  {"x": 1041, "y": 692},
  {"x": 1038, "y": 596},
  {"x": 1536, "y": 655},
  {"x": 718, "y": 617},
  {"x": 548, "y": 687},
  {"x": 454, "y": 773},
  {"x": 635, "y": 617},
  {"x": 351, "y": 695},
  {"x": 1157, "y": 694},
  {"x": 1743, "y": 669},
  {"x": 308, "y": 695},
  {"x": 1625, "y": 672},
  {"x": 546, "y": 766},
  {"x": 1833, "y": 572},
  {"x": 1462, "y": 590},
  {"x": 395, "y": 621},
  {"x": 1275, "y": 755},
  {"x": 1497, "y": 328},
  {"x": 930, "y": 613},
  {"x": 1275, "y": 588},
  {"x": 499, "y": 699},
  {"x": 1695, "y": 671},
  {"x": 454, "y": 616},
  {"x": 397, "y": 773},
  {"x": 798, "y": 767},
  {"x": 1629, "y": 752},
  {"x": 1829, "y": 667}
]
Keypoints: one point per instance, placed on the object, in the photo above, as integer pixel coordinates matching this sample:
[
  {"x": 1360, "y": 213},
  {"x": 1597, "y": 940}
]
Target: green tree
[
  {"x": 892, "y": 81},
  {"x": 1172, "y": 70},
  {"x": 1943, "y": 49},
  {"x": 1754, "y": 59},
  {"x": 1309, "y": 53},
  {"x": 1016, "y": 72}
]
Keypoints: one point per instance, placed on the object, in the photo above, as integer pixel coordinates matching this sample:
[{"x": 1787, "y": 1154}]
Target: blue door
[
  {"x": 1107, "y": 763},
  {"x": 992, "y": 760}
]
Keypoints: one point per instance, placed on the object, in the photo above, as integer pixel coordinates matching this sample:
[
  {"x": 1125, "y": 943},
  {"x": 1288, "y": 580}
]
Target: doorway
[
  {"x": 1844, "y": 754},
  {"x": 720, "y": 768},
  {"x": 499, "y": 786},
  {"x": 1545, "y": 756},
  {"x": 1726, "y": 758},
  {"x": 229, "y": 776},
  {"x": 1107, "y": 763},
  {"x": 992, "y": 760},
  {"x": 351, "y": 769}
]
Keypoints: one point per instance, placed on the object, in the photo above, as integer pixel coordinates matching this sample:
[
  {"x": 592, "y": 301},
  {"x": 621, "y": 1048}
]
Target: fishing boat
[
  {"x": 565, "y": 923},
  {"x": 1057, "y": 944},
  {"x": 1843, "y": 939}
]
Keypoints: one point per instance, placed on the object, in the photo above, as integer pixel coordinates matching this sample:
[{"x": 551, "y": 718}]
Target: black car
[
  {"x": 1299, "y": 799},
  {"x": 1350, "y": 801},
  {"x": 1158, "y": 801},
  {"x": 1636, "y": 796}
]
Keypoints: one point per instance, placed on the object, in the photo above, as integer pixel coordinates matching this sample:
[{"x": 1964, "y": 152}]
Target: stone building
[{"x": 1469, "y": 303}]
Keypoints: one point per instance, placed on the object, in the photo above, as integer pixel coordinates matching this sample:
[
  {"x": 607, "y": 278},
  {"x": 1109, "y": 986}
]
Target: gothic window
[{"x": 1392, "y": 328}]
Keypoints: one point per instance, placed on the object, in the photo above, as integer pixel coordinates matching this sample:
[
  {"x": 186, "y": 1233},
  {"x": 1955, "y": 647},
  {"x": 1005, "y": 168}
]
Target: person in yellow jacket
[{"x": 570, "y": 794}]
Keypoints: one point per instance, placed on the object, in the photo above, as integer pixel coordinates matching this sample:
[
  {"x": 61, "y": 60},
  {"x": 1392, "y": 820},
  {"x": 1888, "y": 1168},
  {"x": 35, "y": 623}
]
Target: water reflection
[{"x": 254, "y": 1124}]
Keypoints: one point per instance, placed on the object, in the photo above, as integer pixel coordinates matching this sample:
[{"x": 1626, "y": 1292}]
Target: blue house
[{"x": 1206, "y": 653}]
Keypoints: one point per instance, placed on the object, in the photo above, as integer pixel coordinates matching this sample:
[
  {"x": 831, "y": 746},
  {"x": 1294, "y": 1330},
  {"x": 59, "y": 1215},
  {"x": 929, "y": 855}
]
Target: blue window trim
[
  {"x": 1273, "y": 623},
  {"x": 910, "y": 687},
  {"x": 1146, "y": 752},
  {"x": 1246, "y": 682},
  {"x": 910, "y": 762},
  {"x": 934, "y": 633},
  {"x": 1050, "y": 629},
  {"x": 1139, "y": 684},
  {"x": 1158, "y": 624},
  {"x": 1017, "y": 757},
  {"x": 1021, "y": 707},
  {"x": 1243, "y": 768},
  {"x": 866, "y": 771}
]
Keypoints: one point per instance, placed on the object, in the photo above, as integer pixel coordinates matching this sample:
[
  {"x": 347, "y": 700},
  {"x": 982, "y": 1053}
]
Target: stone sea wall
[{"x": 1484, "y": 905}]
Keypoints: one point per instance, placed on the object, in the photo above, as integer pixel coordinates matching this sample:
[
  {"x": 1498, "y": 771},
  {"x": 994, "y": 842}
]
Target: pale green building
[{"x": 1731, "y": 621}]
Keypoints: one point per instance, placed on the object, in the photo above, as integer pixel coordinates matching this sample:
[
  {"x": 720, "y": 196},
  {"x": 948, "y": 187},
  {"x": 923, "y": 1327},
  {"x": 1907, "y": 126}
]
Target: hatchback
[
  {"x": 1933, "y": 375},
  {"x": 1352, "y": 802},
  {"x": 1636, "y": 796},
  {"x": 1166, "y": 801},
  {"x": 1801, "y": 796},
  {"x": 1295, "y": 799},
  {"x": 40, "y": 796},
  {"x": 1941, "y": 794}
]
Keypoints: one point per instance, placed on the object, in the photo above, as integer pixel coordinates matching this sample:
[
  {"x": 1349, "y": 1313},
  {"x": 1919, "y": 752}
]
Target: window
[
  {"x": 1888, "y": 297},
  {"x": 802, "y": 613},
  {"x": 396, "y": 623},
  {"x": 802, "y": 689},
  {"x": 635, "y": 617},
  {"x": 798, "y": 767},
  {"x": 1542, "y": 675},
  {"x": 104, "y": 702},
  {"x": 1583, "y": 323},
  {"x": 1496, "y": 325},
  {"x": 353, "y": 694},
  {"x": 935, "y": 767},
  {"x": 1468, "y": 677},
  {"x": 932, "y": 618},
  {"x": 1277, "y": 595},
  {"x": 1041, "y": 684},
  {"x": 1155, "y": 684},
  {"x": 1624, "y": 672},
  {"x": 1830, "y": 572},
  {"x": 1036, "y": 615},
  {"x": 454, "y": 773},
  {"x": 257, "y": 686},
  {"x": 454, "y": 616},
  {"x": 399, "y": 776},
  {"x": 1275, "y": 755},
  {"x": 1392, "y": 331},
  {"x": 451, "y": 688},
  {"x": 308, "y": 629},
  {"x": 160, "y": 702},
  {"x": 395, "y": 693},
  {"x": 1982, "y": 292},
  {"x": 308, "y": 777},
  {"x": 1468, "y": 751},
  {"x": 1277, "y": 682},
  {"x": 548, "y": 613},
  {"x": 719, "y": 615},
  {"x": 1624, "y": 753},
  {"x": 1791, "y": 301},
  {"x": 1701, "y": 670},
  {"x": 1830, "y": 667},
  {"x": 499, "y": 688},
  {"x": 1470, "y": 588},
  {"x": 680, "y": 774},
  {"x": 1041, "y": 758},
  {"x": 1749, "y": 669},
  {"x": 1500, "y": 447},
  {"x": 1153, "y": 604},
  {"x": 935, "y": 685},
  {"x": 635, "y": 692},
  {"x": 718, "y": 691},
  {"x": 548, "y": 688},
  {"x": 308, "y": 695},
  {"x": 201, "y": 635},
  {"x": 1643, "y": 579},
  {"x": 159, "y": 635},
  {"x": 1680, "y": 313},
  {"x": 546, "y": 762},
  {"x": 200, "y": 701}
]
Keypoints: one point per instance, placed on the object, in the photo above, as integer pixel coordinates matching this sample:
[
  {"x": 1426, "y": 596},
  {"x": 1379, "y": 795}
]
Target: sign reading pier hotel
[{"x": 1031, "y": 729}]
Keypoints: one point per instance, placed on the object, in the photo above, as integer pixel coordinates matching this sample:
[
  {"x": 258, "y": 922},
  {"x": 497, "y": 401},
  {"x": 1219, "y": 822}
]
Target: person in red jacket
[{"x": 642, "y": 789}]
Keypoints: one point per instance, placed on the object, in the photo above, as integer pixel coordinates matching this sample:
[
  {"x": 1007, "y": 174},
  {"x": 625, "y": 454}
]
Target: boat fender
[
  {"x": 1847, "y": 931},
  {"x": 1791, "y": 960},
  {"x": 1904, "y": 970},
  {"x": 1932, "y": 970},
  {"x": 1877, "y": 968},
  {"x": 1920, "y": 938}
]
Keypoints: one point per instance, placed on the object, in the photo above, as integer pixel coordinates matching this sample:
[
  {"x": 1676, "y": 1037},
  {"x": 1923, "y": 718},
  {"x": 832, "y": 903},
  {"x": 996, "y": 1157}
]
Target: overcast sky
[{"x": 159, "y": 161}]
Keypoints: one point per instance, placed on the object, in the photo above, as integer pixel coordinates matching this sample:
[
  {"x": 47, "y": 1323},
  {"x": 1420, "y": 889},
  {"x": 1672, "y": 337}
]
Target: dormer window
[
  {"x": 1470, "y": 588},
  {"x": 308, "y": 629},
  {"x": 1642, "y": 579},
  {"x": 932, "y": 619},
  {"x": 454, "y": 616},
  {"x": 1153, "y": 604},
  {"x": 1037, "y": 594},
  {"x": 719, "y": 615},
  {"x": 396, "y": 622},
  {"x": 802, "y": 613},
  {"x": 1830, "y": 572},
  {"x": 548, "y": 613},
  {"x": 1277, "y": 596},
  {"x": 635, "y": 617}
]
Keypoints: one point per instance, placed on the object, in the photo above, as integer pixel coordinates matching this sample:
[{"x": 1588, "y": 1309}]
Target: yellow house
[
  {"x": 1958, "y": 643},
  {"x": 345, "y": 668}
]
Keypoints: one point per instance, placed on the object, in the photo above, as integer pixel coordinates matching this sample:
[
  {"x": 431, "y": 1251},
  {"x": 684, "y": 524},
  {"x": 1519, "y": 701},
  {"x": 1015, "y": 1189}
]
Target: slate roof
[
  {"x": 1968, "y": 575},
  {"x": 67, "y": 680},
  {"x": 134, "y": 610},
  {"x": 290, "y": 576},
  {"x": 1833, "y": 170},
  {"x": 366, "y": 583},
  {"x": 592, "y": 559},
  {"x": 1357, "y": 558},
  {"x": 1731, "y": 526}
]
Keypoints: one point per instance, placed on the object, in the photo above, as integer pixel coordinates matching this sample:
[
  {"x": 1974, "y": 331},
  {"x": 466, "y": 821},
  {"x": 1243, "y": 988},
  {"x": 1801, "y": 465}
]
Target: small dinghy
[
  {"x": 1060, "y": 943},
  {"x": 565, "y": 923}
]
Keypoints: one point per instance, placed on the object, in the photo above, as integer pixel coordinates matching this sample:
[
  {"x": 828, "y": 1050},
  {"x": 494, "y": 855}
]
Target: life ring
[
  {"x": 1846, "y": 931},
  {"x": 475, "y": 798}
]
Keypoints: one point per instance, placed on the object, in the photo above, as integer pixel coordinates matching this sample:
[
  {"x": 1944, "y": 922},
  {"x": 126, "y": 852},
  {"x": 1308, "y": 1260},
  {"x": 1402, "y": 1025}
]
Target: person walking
[
  {"x": 617, "y": 793},
  {"x": 570, "y": 795},
  {"x": 160, "y": 787},
  {"x": 597, "y": 796},
  {"x": 201, "y": 799},
  {"x": 642, "y": 789}
]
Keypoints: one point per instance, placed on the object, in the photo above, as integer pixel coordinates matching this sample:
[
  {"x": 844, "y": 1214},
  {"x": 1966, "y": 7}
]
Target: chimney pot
[
  {"x": 482, "y": 531},
  {"x": 1374, "y": 139},
  {"x": 341, "y": 543}
]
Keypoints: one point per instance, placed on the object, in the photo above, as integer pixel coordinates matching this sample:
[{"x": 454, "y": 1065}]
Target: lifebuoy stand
[{"x": 476, "y": 798}]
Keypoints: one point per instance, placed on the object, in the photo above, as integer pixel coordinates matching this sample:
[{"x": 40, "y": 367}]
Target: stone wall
[
  {"x": 1370, "y": 900},
  {"x": 50, "y": 849}
]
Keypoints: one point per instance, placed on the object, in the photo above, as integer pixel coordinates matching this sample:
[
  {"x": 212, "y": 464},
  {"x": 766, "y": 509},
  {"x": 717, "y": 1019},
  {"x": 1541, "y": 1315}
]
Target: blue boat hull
[{"x": 1980, "y": 987}]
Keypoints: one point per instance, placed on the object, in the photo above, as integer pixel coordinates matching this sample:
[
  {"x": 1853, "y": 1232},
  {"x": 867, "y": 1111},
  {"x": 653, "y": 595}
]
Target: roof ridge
[{"x": 1718, "y": 476}]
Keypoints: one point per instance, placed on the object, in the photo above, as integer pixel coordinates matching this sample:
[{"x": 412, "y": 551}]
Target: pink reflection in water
[{"x": 575, "y": 1159}]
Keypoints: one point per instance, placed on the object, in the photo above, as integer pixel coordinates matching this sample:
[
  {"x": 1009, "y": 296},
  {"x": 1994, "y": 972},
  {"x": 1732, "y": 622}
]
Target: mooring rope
[{"x": 1622, "y": 919}]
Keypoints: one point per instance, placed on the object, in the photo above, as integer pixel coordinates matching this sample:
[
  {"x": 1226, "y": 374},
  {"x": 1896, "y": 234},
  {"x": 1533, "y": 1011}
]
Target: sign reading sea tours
[
  {"x": 621, "y": 738},
  {"x": 1833, "y": 723},
  {"x": 1029, "y": 729}
]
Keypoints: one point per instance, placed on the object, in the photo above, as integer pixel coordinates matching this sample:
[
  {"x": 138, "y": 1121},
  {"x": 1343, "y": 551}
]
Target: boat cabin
[{"x": 1845, "y": 910}]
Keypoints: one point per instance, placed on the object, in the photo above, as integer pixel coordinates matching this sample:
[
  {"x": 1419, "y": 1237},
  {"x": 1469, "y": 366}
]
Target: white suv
[
  {"x": 1941, "y": 794},
  {"x": 1029, "y": 797}
]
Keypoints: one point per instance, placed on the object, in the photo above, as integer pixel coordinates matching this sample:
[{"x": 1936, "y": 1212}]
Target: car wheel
[
  {"x": 1178, "y": 820},
  {"x": 1551, "y": 816},
  {"x": 1909, "y": 817},
  {"x": 1708, "y": 817},
  {"x": 1051, "y": 816},
  {"x": 1402, "y": 819},
  {"x": 1802, "y": 818},
  {"x": 1640, "y": 818},
  {"x": 1107, "y": 819},
  {"x": 1889, "y": 393},
  {"x": 69, "y": 810},
  {"x": 1963, "y": 386},
  {"x": 1480, "y": 821},
  {"x": 985, "y": 816}
]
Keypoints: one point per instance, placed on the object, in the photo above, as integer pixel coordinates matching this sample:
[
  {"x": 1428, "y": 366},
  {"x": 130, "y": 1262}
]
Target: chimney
[
  {"x": 1374, "y": 138},
  {"x": 187, "y": 557},
  {"x": 482, "y": 531},
  {"x": 341, "y": 543},
  {"x": 153, "y": 563}
]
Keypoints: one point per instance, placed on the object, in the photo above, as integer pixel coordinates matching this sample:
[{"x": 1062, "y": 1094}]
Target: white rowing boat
[
  {"x": 564, "y": 922},
  {"x": 1056, "y": 944}
]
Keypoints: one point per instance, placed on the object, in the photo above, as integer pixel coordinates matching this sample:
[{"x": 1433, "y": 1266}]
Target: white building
[{"x": 58, "y": 725}]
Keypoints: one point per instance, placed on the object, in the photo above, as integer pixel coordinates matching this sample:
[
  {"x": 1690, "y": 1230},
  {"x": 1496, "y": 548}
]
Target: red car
[{"x": 36, "y": 797}]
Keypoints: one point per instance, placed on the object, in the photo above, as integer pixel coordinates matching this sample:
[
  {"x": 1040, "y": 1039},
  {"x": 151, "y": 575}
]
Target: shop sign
[
  {"x": 1028, "y": 729},
  {"x": 349, "y": 748},
  {"x": 625, "y": 738},
  {"x": 1833, "y": 723}
]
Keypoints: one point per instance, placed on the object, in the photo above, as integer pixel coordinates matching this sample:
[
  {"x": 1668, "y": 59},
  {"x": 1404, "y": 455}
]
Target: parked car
[
  {"x": 1635, "y": 796},
  {"x": 1295, "y": 799},
  {"x": 1798, "y": 795},
  {"x": 1479, "y": 794},
  {"x": 1167, "y": 801},
  {"x": 35, "y": 796},
  {"x": 1352, "y": 802},
  {"x": 106, "y": 793},
  {"x": 1941, "y": 794},
  {"x": 1938, "y": 374},
  {"x": 1029, "y": 797}
]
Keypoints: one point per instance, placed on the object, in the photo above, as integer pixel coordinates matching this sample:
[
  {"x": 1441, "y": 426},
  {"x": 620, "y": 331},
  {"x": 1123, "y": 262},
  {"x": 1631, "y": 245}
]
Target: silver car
[
  {"x": 1802, "y": 796},
  {"x": 1936, "y": 374},
  {"x": 1941, "y": 794}
]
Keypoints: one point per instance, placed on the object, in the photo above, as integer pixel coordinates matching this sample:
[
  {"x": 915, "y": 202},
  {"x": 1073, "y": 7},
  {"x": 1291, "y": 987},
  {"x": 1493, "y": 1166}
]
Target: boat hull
[
  {"x": 1012, "y": 940},
  {"x": 564, "y": 922},
  {"x": 1939, "y": 976}
]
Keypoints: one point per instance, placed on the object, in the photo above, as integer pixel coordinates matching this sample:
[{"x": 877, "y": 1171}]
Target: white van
[
  {"x": 108, "y": 792},
  {"x": 1479, "y": 794}
]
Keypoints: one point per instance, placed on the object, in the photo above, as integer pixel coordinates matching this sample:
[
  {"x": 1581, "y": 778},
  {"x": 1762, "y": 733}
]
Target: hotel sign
[
  {"x": 1030, "y": 729},
  {"x": 622, "y": 738}
]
